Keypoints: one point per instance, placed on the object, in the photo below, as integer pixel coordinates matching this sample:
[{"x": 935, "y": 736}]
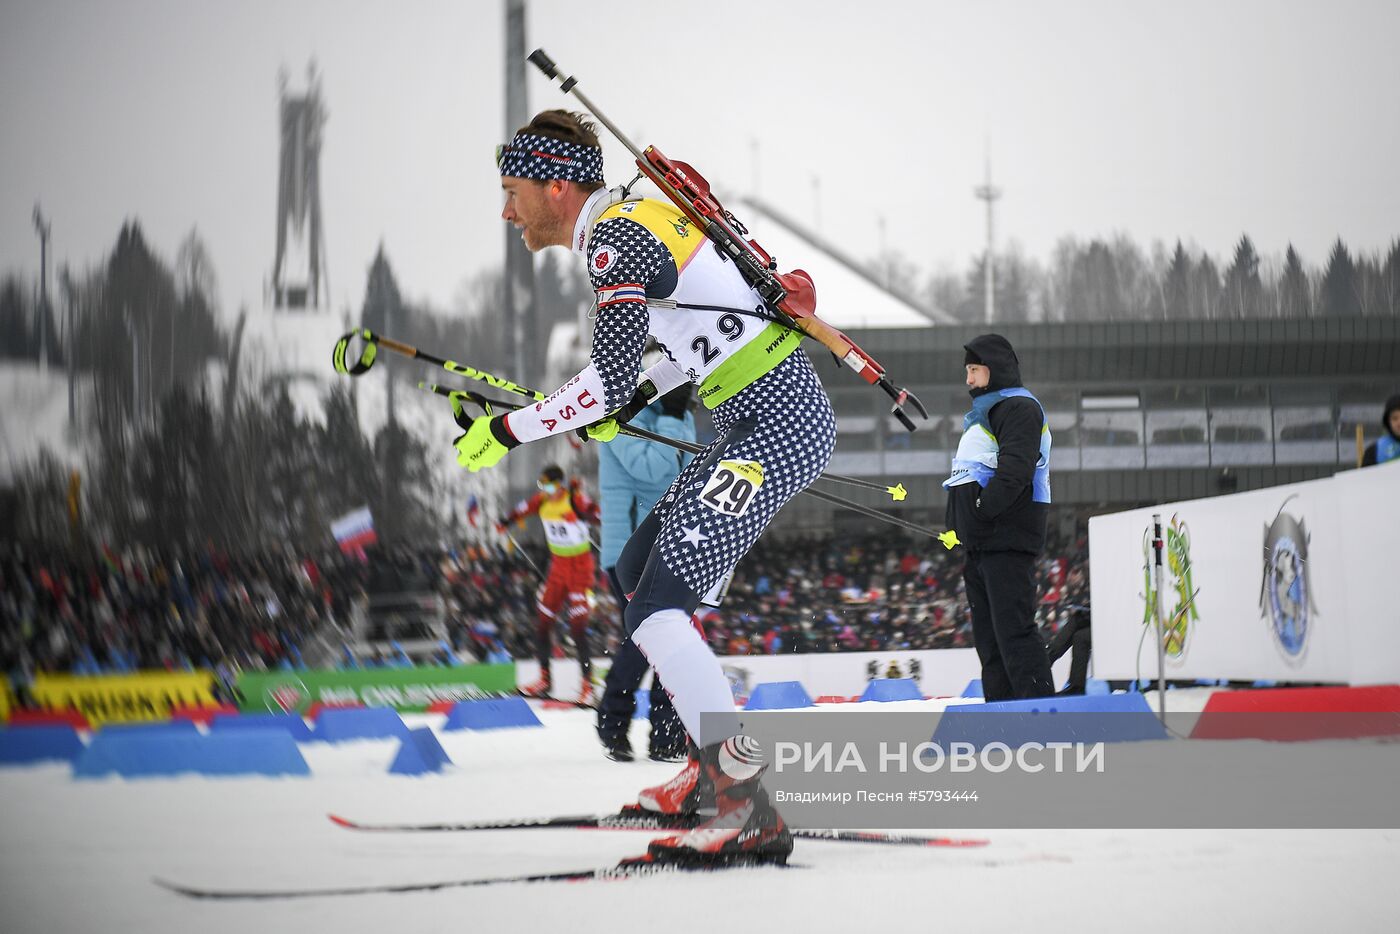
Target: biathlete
[
  {"x": 655, "y": 273},
  {"x": 564, "y": 511}
]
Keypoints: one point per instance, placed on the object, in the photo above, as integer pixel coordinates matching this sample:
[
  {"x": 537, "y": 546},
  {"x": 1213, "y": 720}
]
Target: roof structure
[{"x": 849, "y": 295}]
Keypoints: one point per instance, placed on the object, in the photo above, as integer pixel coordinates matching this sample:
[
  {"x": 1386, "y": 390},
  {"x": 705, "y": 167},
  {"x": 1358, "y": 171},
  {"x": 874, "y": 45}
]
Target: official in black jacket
[{"x": 998, "y": 499}]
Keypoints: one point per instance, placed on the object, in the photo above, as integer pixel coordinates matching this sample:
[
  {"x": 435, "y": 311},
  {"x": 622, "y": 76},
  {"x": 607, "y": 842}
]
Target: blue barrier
[
  {"x": 234, "y": 752},
  {"x": 24, "y": 744},
  {"x": 973, "y": 689},
  {"x": 293, "y": 723},
  {"x": 419, "y": 753},
  {"x": 495, "y": 714},
  {"x": 778, "y": 695},
  {"x": 337, "y": 725},
  {"x": 643, "y": 711},
  {"x": 153, "y": 728},
  {"x": 892, "y": 689},
  {"x": 1101, "y": 718}
]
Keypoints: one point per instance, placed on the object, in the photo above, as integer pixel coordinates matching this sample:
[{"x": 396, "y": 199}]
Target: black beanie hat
[{"x": 971, "y": 358}]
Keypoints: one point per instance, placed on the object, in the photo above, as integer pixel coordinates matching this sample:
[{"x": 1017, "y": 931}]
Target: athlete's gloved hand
[
  {"x": 608, "y": 428},
  {"x": 484, "y": 443},
  {"x": 677, "y": 402},
  {"x": 459, "y": 398}
]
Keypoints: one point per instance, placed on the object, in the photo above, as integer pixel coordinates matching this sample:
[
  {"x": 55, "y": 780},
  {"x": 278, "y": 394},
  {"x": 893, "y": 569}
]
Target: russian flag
[{"x": 354, "y": 530}]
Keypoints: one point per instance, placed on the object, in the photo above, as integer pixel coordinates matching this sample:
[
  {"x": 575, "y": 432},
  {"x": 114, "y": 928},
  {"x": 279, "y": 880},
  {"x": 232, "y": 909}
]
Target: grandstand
[{"x": 1141, "y": 411}]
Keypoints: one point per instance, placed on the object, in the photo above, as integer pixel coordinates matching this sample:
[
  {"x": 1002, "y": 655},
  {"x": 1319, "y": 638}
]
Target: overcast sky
[{"x": 1198, "y": 120}]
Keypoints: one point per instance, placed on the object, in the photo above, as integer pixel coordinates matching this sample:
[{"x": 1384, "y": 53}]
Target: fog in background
[{"x": 871, "y": 122}]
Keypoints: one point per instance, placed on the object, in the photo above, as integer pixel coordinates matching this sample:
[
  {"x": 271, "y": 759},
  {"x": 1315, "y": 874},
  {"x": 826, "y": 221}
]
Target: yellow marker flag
[
  {"x": 949, "y": 539},
  {"x": 897, "y": 492}
]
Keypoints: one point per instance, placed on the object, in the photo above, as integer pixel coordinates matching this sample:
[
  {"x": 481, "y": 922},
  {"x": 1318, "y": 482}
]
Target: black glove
[{"x": 677, "y": 402}]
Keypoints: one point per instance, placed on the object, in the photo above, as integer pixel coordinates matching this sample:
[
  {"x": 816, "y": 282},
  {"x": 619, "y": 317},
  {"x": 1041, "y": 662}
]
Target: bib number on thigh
[{"x": 732, "y": 487}]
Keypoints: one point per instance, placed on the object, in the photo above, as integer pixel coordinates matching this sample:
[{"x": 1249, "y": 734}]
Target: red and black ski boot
[
  {"x": 747, "y": 828},
  {"x": 690, "y": 792}
]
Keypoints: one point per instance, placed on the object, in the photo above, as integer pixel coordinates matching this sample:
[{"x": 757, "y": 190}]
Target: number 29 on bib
[{"x": 732, "y": 487}]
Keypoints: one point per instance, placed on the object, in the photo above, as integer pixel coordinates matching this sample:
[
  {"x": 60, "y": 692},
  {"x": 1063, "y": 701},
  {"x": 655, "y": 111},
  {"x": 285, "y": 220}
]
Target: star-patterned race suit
[{"x": 654, "y": 272}]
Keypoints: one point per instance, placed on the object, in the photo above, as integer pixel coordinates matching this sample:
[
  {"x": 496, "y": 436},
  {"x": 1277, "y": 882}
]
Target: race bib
[
  {"x": 565, "y": 534},
  {"x": 732, "y": 487}
]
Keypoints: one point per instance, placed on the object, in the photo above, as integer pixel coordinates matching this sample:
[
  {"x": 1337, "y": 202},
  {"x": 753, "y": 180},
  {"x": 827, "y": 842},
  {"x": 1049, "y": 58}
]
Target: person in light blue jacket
[{"x": 632, "y": 475}]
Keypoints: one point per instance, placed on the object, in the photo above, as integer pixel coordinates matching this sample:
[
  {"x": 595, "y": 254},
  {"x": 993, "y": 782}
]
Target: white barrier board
[{"x": 1291, "y": 583}]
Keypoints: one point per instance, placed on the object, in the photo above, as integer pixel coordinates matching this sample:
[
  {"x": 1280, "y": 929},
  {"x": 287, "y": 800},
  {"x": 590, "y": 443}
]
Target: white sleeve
[
  {"x": 665, "y": 376},
  {"x": 577, "y": 403}
]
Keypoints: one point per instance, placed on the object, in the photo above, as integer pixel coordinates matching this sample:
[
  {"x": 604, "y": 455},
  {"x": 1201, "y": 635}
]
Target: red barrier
[
  {"x": 442, "y": 706},
  {"x": 1294, "y": 714},
  {"x": 201, "y": 715},
  {"x": 23, "y": 717},
  {"x": 316, "y": 707}
]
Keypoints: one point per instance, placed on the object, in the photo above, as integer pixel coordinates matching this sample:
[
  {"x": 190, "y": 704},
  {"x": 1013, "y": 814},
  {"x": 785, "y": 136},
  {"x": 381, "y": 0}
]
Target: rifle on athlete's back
[{"x": 791, "y": 296}]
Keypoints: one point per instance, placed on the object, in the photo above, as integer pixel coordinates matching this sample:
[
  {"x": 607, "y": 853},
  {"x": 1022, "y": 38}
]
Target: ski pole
[
  {"x": 523, "y": 553},
  {"x": 369, "y": 354},
  {"x": 948, "y": 538},
  {"x": 896, "y": 492},
  {"x": 374, "y": 341}
]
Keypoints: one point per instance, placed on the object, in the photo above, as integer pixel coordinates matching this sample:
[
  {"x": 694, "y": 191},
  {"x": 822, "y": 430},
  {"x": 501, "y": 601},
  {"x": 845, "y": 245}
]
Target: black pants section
[
  {"x": 544, "y": 646},
  {"x": 1074, "y": 635},
  {"x": 1001, "y": 594},
  {"x": 642, "y": 573},
  {"x": 619, "y": 701}
]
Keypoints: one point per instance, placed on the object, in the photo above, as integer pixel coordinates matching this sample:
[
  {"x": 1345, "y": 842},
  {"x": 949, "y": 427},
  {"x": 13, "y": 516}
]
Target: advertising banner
[
  {"x": 937, "y": 672},
  {"x": 405, "y": 689},
  {"x": 143, "y": 695},
  {"x": 1278, "y": 584}
]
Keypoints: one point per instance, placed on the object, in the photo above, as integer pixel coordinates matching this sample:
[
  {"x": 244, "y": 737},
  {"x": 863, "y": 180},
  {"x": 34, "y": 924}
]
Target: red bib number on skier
[{"x": 732, "y": 487}]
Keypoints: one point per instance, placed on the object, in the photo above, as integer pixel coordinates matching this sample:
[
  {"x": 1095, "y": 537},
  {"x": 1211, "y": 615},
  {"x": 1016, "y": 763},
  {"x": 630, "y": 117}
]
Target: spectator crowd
[
  {"x": 867, "y": 594},
  {"x": 108, "y": 611}
]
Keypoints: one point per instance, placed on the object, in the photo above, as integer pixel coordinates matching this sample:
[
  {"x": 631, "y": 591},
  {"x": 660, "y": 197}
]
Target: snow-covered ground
[{"x": 79, "y": 856}]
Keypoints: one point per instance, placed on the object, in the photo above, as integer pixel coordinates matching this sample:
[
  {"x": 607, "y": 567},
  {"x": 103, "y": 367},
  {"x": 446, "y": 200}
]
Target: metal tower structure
[
  {"x": 520, "y": 265},
  {"x": 299, "y": 270},
  {"x": 989, "y": 193}
]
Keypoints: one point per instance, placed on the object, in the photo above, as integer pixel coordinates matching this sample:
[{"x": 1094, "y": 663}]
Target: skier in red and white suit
[{"x": 564, "y": 511}]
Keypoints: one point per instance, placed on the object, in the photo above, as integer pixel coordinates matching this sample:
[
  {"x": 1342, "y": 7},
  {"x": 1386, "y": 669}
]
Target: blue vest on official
[
  {"x": 976, "y": 458},
  {"x": 1387, "y": 449}
]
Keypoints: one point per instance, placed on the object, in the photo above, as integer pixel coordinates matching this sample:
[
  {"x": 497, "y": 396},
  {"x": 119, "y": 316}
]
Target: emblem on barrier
[
  {"x": 1177, "y": 579},
  {"x": 286, "y": 698},
  {"x": 1285, "y": 593}
]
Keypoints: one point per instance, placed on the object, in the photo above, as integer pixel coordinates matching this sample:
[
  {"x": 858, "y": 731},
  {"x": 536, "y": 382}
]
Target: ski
[
  {"x": 626, "y": 869},
  {"x": 645, "y": 820},
  {"x": 557, "y": 702},
  {"x": 623, "y": 820}
]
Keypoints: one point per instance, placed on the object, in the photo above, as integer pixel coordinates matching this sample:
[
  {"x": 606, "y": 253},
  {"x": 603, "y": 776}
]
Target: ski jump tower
[
  {"x": 298, "y": 272},
  {"x": 291, "y": 338}
]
